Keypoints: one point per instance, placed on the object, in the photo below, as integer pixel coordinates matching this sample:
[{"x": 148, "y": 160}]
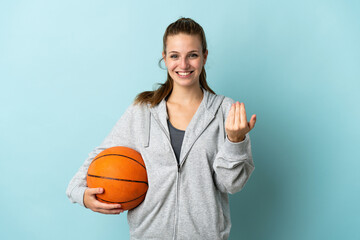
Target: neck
[{"x": 186, "y": 96}]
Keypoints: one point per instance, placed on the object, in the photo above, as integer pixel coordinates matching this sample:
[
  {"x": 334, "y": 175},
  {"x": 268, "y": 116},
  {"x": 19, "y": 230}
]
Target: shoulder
[
  {"x": 137, "y": 113},
  {"x": 134, "y": 117},
  {"x": 138, "y": 108},
  {"x": 132, "y": 112},
  {"x": 226, "y": 105},
  {"x": 227, "y": 101}
]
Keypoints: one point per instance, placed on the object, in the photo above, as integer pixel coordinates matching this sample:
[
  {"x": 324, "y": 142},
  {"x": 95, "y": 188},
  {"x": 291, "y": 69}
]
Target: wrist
[{"x": 238, "y": 139}]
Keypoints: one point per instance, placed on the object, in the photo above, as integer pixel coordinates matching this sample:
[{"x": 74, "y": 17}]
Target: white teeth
[{"x": 184, "y": 73}]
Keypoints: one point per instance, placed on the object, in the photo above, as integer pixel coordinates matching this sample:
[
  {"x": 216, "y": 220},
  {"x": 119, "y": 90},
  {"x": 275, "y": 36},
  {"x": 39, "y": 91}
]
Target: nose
[{"x": 184, "y": 63}]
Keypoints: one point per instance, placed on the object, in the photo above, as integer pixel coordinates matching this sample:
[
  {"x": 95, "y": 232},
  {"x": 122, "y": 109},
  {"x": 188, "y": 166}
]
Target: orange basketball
[{"x": 121, "y": 172}]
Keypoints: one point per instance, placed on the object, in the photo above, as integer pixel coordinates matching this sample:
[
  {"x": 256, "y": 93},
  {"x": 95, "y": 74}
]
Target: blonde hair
[{"x": 182, "y": 25}]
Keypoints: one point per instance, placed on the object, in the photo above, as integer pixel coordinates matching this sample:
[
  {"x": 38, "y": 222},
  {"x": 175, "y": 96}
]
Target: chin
[
  {"x": 184, "y": 81},
  {"x": 186, "y": 84}
]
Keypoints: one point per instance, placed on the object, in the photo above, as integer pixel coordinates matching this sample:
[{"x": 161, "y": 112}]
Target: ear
[
  {"x": 205, "y": 56},
  {"x": 164, "y": 57}
]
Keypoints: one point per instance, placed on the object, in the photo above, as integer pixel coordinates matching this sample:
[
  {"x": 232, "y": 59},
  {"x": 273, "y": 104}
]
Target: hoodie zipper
[
  {"x": 177, "y": 182},
  {"x": 177, "y": 203},
  {"x": 179, "y": 165}
]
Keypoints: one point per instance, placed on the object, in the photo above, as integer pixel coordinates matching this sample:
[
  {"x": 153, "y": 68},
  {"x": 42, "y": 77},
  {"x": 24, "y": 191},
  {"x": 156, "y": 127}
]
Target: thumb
[
  {"x": 99, "y": 190},
  {"x": 94, "y": 191},
  {"x": 252, "y": 121}
]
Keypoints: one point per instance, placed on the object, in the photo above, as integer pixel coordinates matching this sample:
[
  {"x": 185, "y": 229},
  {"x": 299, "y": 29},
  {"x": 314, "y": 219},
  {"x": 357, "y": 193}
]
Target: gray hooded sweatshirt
[{"x": 185, "y": 200}]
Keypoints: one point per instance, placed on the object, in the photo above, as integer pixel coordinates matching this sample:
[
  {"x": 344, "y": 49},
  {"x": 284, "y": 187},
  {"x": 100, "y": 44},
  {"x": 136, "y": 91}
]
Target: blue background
[{"x": 69, "y": 69}]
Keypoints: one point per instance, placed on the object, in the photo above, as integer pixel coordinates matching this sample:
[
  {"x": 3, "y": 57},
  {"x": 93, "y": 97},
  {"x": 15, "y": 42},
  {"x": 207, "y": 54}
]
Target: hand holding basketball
[
  {"x": 121, "y": 174},
  {"x": 236, "y": 125},
  {"x": 92, "y": 203}
]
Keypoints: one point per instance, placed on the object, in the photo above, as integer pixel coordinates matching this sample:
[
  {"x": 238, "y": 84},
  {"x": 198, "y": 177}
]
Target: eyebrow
[{"x": 189, "y": 52}]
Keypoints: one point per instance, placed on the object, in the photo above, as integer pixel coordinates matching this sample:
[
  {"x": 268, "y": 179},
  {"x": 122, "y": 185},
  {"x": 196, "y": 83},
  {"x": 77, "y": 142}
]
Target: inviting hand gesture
[{"x": 236, "y": 125}]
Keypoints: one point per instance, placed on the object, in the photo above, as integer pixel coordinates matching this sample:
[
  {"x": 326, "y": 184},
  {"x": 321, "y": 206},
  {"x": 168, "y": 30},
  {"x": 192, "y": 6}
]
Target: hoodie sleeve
[
  {"x": 233, "y": 163},
  {"x": 120, "y": 135}
]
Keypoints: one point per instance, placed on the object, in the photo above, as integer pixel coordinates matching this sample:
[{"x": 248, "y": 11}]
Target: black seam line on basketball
[
  {"x": 117, "y": 179},
  {"x": 121, "y": 202},
  {"x": 119, "y": 156}
]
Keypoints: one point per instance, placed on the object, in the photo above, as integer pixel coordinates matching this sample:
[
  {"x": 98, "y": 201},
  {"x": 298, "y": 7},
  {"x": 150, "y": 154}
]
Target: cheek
[
  {"x": 198, "y": 64},
  {"x": 171, "y": 65}
]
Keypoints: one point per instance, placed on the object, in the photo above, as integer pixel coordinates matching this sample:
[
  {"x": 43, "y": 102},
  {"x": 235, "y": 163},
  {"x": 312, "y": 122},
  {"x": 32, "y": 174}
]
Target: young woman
[{"x": 195, "y": 145}]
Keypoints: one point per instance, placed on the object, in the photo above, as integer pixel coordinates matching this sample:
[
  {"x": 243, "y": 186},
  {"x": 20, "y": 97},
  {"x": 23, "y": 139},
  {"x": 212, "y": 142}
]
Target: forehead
[{"x": 183, "y": 42}]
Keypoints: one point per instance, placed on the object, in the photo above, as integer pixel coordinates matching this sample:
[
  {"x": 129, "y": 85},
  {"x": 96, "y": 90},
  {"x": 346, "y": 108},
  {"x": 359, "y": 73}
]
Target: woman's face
[{"x": 184, "y": 59}]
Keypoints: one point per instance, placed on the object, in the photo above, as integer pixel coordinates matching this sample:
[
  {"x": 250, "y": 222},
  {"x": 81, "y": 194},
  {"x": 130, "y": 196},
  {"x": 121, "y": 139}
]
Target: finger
[
  {"x": 237, "y": 115},
  {"x": 230, "y": 117},
  {"x": 107, "y": 206},
  {"x": 94, "y": 191},
  {"x": 243, "y": 114},
  {"x": 252, "y": 121},
  {"x": 117, "y": 211}
]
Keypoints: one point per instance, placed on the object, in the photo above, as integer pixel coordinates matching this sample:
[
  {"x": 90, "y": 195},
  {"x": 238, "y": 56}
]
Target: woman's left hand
[{"x": 236, "y": 125}]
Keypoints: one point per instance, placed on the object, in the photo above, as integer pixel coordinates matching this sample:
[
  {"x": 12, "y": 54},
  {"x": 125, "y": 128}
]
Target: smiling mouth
[{"x": 184, "y": 74}]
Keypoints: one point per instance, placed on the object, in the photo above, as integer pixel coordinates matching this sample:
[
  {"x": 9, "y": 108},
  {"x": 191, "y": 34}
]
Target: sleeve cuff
[
  {"x": 227, "y": 138},
  {"x": 237, "y": 148},
  {"x": 78, "y": 195}
]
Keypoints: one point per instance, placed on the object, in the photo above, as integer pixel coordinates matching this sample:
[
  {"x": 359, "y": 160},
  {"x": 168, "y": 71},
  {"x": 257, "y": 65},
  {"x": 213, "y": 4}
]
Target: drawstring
[
  {"x": 147, "y": 128},
  {"x": 221, "y": 119}
]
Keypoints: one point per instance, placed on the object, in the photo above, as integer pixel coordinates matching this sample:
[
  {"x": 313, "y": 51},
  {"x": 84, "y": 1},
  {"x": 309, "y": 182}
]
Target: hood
[{"x": 205, "y": 113}]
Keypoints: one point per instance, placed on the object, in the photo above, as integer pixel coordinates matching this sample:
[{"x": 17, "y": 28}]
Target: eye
[
  {"x": 194, "y": 55},
  {"x": 174, "y": 56}
]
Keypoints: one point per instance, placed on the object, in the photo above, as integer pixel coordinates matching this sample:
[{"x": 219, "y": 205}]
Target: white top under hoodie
[{"x": 188, "y": 200}]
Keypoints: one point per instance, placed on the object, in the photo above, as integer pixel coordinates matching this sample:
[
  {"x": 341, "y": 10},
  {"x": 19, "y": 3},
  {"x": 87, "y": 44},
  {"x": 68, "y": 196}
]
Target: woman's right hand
[{"x": 92, "y": 203}]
